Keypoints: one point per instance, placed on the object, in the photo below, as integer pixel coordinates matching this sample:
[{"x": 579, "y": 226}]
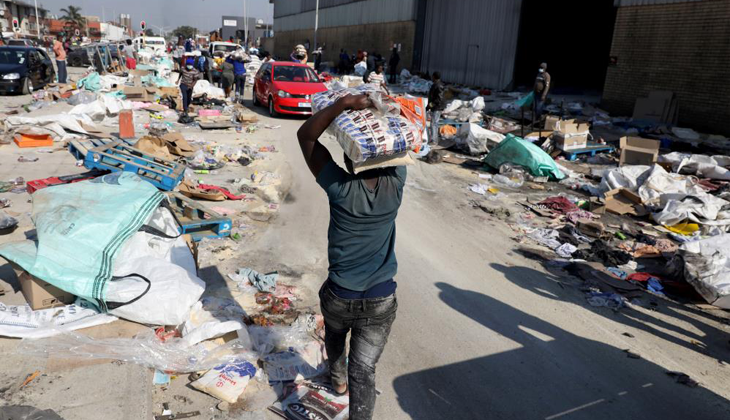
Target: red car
[{"x": 286, "y": 88}]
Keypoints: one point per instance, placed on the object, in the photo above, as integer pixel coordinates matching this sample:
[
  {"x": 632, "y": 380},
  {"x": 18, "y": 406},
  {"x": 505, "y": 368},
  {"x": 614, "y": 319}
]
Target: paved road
[{"x": 483, "y": 332}]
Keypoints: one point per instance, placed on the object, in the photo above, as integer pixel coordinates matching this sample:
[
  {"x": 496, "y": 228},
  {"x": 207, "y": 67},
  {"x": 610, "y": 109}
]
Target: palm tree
[{"x": 72, "y": 16}]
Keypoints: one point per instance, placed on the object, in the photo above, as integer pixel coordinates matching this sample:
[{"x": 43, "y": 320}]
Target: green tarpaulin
[{"x": 523, "y": 153}]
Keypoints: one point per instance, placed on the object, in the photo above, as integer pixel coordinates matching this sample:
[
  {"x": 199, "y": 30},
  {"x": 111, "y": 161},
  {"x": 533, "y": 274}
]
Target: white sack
[
  {"x": 203, "y": 87},
  {"x": 701, "y": 165},
  {"x": 169, "y": 266},
  {"x": 55, "y": 125},
  {"x": 478, "y": 103},
  {"x": 677, "y": 208},
  {"x": 629, "y": 177},
  {"x": 707, "y": 268},
  {"x": 662, "y": 182},
  {"x": 477, "y": 140},
  {"x": 453, "y": 106}
]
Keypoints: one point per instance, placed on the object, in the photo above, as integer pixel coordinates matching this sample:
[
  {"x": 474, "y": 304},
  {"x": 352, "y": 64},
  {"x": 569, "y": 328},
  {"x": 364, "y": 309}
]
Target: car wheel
[
  {"x": 272, "y": 111},
  {"x": 26, "y": 86},
  {"x": 255, "y": 98}
]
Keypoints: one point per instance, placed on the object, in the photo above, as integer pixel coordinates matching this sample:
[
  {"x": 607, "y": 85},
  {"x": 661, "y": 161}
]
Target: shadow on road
[
  {"x": 701, "y": 337},
  {"x": 552, "y": 374}
]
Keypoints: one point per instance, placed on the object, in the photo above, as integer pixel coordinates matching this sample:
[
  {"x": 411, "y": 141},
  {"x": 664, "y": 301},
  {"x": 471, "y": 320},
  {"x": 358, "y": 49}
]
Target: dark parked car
[
  {"x": 78, "y": 57},
  {"x": 23, "y": 69}
]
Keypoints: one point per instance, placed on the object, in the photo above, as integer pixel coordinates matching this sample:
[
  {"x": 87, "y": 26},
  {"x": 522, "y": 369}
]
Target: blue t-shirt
[
  {"x": 239, "y": 67},
  {"x": 361, "y": 233}
]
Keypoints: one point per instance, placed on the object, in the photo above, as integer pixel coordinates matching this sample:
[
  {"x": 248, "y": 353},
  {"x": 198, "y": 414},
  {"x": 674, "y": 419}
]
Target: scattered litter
[
  {"x": 683, "y": 378},
  {"x": 263, "y": 282}
]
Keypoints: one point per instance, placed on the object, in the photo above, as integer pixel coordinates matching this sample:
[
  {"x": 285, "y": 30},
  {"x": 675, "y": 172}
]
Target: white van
[{"x": 153, "y": 42}]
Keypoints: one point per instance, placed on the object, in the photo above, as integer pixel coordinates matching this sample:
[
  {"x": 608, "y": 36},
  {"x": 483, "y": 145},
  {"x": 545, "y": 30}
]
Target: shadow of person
[
  {"x": 550, "y": 374},
  {"x": 713, "y": 340}
]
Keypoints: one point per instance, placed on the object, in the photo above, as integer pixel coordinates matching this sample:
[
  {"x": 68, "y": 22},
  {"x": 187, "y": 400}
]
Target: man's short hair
[{"x": 129, "y": 42}]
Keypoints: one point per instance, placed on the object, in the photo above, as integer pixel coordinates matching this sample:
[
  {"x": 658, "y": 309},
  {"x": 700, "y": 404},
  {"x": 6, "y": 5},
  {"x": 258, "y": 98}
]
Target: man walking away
[
  {"x": 344, "y": 62},
  {"x": 359, "y": 294},
  {"x": 239, "y": 71},
  {"x": 189, "y": 77},
  {"x": 60, "y": 53},
  {"x": 393, "y": 66},
  {"x": 131, "y": 55},
  {"x": 228, "y": 75},
  {"x": 435, "y": 105},
  {"x": 542, "y": 86}
]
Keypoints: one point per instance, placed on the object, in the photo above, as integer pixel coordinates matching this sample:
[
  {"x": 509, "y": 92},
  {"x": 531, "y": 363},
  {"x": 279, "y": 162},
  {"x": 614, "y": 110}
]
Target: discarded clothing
[
  {"x": 579, "y": 214},
  {"x": 607, "y": 300},
  {"x": 571, "y": 235},
  {"x": 601, "y": 252},
  {"x": 617, "y": 272},
  {"x": 263, "y": 282},
  {"x": 566, "y": 250},
  {"x": 546, "y": 237},
  {"x": 559, "y": 204}
]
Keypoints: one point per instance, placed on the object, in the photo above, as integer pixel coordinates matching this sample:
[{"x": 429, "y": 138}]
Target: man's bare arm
[{"x": 315, "y": 154}]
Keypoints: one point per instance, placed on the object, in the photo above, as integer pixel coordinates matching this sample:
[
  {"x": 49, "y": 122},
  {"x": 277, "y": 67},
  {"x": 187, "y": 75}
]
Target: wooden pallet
[
  {"x": 592, "y": 150},
  {"x": 120, "y": 156},
  {"x": 196, "y": 220}
]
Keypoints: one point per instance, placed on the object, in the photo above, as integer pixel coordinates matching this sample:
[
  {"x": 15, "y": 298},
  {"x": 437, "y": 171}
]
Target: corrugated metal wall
[
  {"x": 473, "y": 42},
  {"x": 353, "y": 13},
  {"x": 287, "y": 7},
  {"x": 623, "y": 3}
]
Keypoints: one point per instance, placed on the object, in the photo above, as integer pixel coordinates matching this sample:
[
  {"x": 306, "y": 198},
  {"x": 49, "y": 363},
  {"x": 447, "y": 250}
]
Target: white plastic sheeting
[
  {"x": 55, "y": 125},
  {"x": 707, "y": 268},
  {"x": 477, "y": 140},
  {"x": 712, "y": 167},
  {"x": 203, "y": 87}
]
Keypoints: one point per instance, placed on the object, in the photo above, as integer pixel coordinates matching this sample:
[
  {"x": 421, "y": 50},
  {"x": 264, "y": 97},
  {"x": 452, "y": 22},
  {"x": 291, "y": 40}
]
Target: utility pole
[
  {"x": 245, "y": 24},
  {"x": 316, "y": 24},
  {"x": 37, "y": 24}
]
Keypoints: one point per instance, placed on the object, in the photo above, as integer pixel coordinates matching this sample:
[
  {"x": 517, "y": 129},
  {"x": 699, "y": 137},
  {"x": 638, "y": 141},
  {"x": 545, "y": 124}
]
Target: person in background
[
  {"x": 299, "y": 55},
  {"x": 60, "y": 53},
  {"x": 202, "y": 63},
  {"x": 359, "y": 295},
  {"x": 188, "y": 45},
  {"x": 378, "y": 78},
  {"x": 239, "y": 71},
  {"x": 541, "y": 89},
  {"x": 344, "y": 63},
  {"x": 228, "y": 75},
  {"x": 317, "y": 58},
  {"x": 393, "y": 66},
  {"x": 370, "y": 61},
  {"x": 189, "y": 76},
  {"x": 266, "y": 57},
  {"x": 131, "y": 55},
  {"x": 435, "y": 105}
]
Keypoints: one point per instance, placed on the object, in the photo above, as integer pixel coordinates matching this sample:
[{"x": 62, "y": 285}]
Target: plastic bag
[
  {"x": 82, "y": 97},
  {"x": 298, "y": 363},
  {"x": 453, "y": 106},
  {"x": 7, "y": 222},
  {"x": 477, "y": 104},
  {"x": 228, "y": 381},
  {"x": 212, "y": 317},
  {"x": 361, "y": 68},
  {"x": 91, "y": 82},
  {"x": 278, "y": 338},
  {"x": 173, "y": 355},
  {"x": 476, "y": 140}
]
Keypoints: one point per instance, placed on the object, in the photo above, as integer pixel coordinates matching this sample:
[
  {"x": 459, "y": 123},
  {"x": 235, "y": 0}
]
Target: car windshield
[
  {"x": 17, "y": 42},
  {"x": 225, "y": 48},
  {"x": 12, "y": 57},
  {"x": 295, "y": 74}
]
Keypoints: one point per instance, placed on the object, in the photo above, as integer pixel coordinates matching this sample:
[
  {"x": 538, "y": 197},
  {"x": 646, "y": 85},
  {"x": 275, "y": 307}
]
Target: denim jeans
[
  {"x": 187, "y": 96},
  {"x": 435, "y": 117},
  {"x": 369, "y": 321},
  {"x": 62, "y": 75},
  {"x": 538, "y": 104},
  {"x": 240, "y": 81}
]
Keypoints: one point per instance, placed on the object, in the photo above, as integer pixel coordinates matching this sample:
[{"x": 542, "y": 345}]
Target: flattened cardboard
[
  {"x": 177, "y": 144},
  {"x": 192, "y": 191},
  {"x": 638, "y": 151},
  {"x": 622, "y": 201},
  {"x": 42, "y": 295},
  {"x": 141, "y": 94}
]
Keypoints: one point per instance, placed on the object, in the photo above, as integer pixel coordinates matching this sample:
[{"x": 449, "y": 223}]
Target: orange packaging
[
  {"x": 413, "y": 109},
  {"x": 33, "y": 140}
]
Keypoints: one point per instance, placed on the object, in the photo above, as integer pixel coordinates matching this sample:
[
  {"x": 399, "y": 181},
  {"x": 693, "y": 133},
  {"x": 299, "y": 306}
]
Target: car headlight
[
  {"x": 283, "y": 94},
  {"x": 11, "y": 76}
]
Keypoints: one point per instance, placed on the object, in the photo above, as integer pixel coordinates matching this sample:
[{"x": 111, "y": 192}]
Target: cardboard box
[
  {"x": 638, "y": 151},
  {"x": 42, "y": 295},
  {"x": 622, "y": 201},
  {"x": 570, "y": 142},
  {"x": 141, "y": 94},
  {"x": 551, "y": 123}
]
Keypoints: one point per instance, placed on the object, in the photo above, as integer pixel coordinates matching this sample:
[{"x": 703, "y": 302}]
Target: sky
[{"x": 202, "y": 14}]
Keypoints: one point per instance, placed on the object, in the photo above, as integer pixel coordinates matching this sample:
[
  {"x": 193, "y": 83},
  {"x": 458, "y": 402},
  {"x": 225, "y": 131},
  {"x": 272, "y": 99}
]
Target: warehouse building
[
  {"x": 496, "y": 44},
  {"x": 678, "y": 46}
]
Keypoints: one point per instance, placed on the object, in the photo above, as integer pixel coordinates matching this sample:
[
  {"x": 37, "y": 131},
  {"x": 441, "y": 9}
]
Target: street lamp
[
  {"x": 316, "y": 24},
  {"x": 37, "y": 25}
]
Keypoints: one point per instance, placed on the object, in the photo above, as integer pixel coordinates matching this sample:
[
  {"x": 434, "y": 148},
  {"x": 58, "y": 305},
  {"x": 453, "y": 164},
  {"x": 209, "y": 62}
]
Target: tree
[
  {"x": 72, "y": 17},
  {"x": 149, "y": 32},
  {"x": 185, "y": 31}
]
